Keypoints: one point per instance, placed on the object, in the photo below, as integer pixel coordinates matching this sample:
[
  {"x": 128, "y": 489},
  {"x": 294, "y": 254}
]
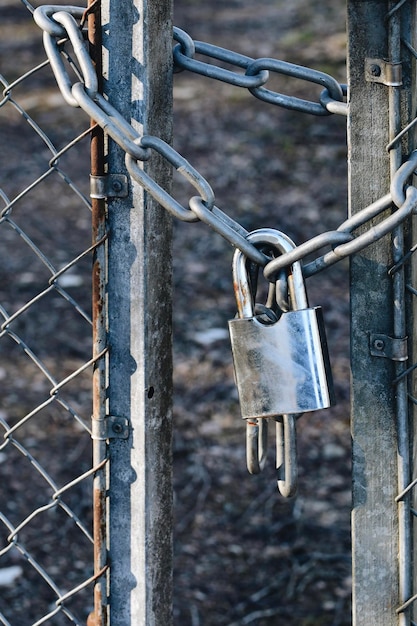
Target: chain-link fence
[
  {"x": 45, "y": 340},
  {"x": 405, "y": 498},
  {"x": 46, "y": 508},
  {"x": 51, "y": 371}
]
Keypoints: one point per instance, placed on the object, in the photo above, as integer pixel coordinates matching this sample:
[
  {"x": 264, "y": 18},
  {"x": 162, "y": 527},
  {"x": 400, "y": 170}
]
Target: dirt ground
[{"x": 243, "y": 553}]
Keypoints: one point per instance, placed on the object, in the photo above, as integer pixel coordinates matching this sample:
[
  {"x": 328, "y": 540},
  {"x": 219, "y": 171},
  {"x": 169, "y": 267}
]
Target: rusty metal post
[
  {"x": 137, "y": 46},
  {"x": 98, "y": 206}
]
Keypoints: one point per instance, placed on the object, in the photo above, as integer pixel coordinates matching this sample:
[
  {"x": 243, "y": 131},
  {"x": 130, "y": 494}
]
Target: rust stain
[
  {"x": 243, "y": 298},
  {"x": 98, "y": 288},
  {"x": 99, "y": 616},
  {"x": 91, "y": 620},
  {"x": 99, "y": 517}
]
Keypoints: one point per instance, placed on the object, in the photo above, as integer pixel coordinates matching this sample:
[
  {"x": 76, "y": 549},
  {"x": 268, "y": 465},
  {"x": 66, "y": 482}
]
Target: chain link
[
  {"x": 43, "y": 17},
  {"x": 60, "y": 22},
  {"x": 295, "y": 71},
  {"x": 184, "y": 52},
  {"x": 87, "y": 73}
]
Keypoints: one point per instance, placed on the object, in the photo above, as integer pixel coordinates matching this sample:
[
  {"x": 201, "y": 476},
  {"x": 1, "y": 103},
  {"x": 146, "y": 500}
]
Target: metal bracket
[
  {"x": 109, "y": 186},
  {"x": 117, "y": 427},
  {"x": 111, "y": 427},
  {"x": 385, "y": 72},
  {"x": 387, "y": 347}
]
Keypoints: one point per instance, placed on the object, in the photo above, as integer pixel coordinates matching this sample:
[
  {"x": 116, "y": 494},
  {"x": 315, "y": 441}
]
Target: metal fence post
[
  {"x": 98, "y": 284},
  {"x": 137, "y": 42},
  {"x": 380, "y": 524}
]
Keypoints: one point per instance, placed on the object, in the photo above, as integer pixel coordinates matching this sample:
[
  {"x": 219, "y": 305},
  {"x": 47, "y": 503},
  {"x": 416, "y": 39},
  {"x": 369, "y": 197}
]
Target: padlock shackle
[
  {"x": 256, "y": 444},
  {"x": 286, "y": 459},
  {"x": 296, "y": 287}
]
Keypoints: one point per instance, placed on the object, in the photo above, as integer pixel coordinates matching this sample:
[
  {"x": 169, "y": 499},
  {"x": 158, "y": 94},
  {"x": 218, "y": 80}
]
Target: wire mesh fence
[
  {"x": 45, "y": 340},
  {"x": 46, "y": 557},
  {"x": 46, "y": 367},
  {"x": 407, "y": 481}
]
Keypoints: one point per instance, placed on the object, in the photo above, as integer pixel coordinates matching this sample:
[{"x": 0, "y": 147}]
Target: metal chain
[
  {"x": 60, "y": 22},
  {"x": 406, "y": 203},
  {"x": 257, "y": 74}
]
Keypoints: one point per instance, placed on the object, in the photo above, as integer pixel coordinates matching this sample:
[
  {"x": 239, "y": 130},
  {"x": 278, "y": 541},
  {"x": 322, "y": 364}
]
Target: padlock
[{"x": 281, "y": 367}]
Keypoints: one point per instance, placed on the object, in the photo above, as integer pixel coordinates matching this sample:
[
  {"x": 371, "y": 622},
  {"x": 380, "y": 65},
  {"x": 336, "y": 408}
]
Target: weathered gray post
[
  {"x": 378, "y": 111},
  {"x": 137, "y": 41}
]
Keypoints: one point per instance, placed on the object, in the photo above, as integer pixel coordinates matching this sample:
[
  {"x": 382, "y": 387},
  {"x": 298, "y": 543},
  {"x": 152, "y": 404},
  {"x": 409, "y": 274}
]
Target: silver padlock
[{"x": 281, "y": 367}]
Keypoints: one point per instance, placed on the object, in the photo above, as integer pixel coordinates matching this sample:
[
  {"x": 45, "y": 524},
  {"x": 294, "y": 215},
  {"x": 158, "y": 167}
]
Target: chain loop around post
[
  {"x": 43, "y": 17},
  {"x": 61, "y": 22},
  {"x": 87, "y": 73}
]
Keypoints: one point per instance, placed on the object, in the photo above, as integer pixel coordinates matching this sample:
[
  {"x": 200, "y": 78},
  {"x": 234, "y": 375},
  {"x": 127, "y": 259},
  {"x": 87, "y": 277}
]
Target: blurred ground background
[{"x": 243, "y": 554}]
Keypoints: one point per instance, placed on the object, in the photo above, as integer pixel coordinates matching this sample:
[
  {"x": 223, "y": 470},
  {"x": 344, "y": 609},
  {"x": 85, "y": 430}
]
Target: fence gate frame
[
  {"x": 381, "y": 451},
  {"x": 137, "y": 73}
]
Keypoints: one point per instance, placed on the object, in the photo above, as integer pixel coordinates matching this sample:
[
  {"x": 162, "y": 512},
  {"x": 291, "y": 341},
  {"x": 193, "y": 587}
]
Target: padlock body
[{"x": 282, "y": 367}]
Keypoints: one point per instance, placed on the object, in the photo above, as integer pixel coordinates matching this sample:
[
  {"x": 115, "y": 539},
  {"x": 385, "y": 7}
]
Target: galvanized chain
[
  {"x": 257, "y": 74},
  {"x": 406, "y": 205},
  {"x": 60, "y": 23}
]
